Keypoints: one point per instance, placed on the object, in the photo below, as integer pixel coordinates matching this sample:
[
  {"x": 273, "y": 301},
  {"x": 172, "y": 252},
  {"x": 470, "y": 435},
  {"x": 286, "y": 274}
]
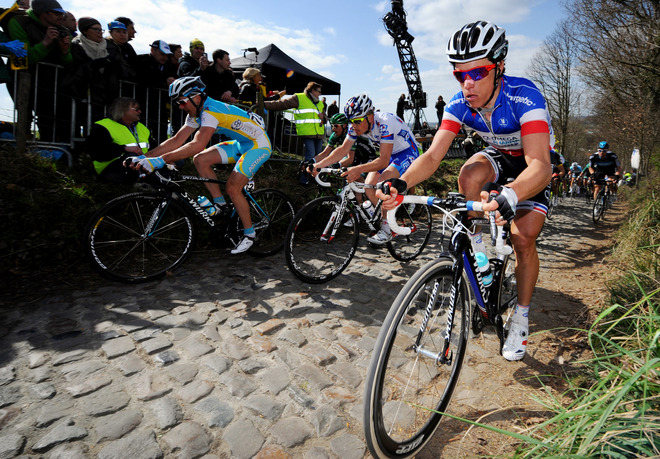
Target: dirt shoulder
[{"x": 569, "y": 294}]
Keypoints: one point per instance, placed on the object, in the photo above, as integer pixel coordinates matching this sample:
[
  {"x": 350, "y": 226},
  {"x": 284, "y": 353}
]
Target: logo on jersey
[
  {"x": 503, "y": 122},
  {"x": 236, "y": 125},
  {"x": 521, "y": 100}
]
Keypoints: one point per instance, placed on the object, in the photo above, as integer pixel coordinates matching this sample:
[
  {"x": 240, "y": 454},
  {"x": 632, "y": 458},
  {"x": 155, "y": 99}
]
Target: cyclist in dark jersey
[
  {"x": 362, "y": 151},
  {"x": 603, "y": 164},
  {"x": 511, "y": 116},
  {"x": 558, "y": 172}
]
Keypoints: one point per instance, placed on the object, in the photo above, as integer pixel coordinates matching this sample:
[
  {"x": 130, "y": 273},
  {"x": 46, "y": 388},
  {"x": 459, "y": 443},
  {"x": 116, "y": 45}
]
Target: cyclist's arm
[
  {"x": 337, "y": 154},
  {"x": 348, "y": 159},
  {"x": 354, "y": 173},
  {"x": 186, "y": 150}
]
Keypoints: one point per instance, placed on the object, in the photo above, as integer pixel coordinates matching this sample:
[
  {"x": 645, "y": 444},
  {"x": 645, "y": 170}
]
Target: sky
[{"x": 342, "y": 40}]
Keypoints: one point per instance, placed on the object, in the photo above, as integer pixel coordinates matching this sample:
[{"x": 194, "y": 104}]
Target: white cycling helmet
[
  {"x": 186, "y": 87},
  {"x": 476, "y": 41},
  {"x": 358, "y": 106}
]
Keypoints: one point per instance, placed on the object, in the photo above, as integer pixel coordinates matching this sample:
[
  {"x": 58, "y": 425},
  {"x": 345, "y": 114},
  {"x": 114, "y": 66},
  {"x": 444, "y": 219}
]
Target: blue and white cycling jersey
[
  {"x": 520, "y": 109},
  {"x": 389, "y": 128}
]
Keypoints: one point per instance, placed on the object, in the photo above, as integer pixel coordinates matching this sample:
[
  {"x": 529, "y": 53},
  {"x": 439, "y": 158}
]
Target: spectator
[
  {"x": 308, "y": 118},
  {"x": 154, "y": 77},
  {"x": 176, "y": 54},
  {"x": 195, "y": 62},
  {"x": 116, "y": 138},
  {"x": 439, "y": 109},
  {"x": 325, "y": 107},
  {"x": 219, "y": 78},
  {"x": 401, "y": 106},
  {"x": 333, "y": 109},
  {"x": 177, "y": 115},
  {"x": 70, "y": 23},
  {"x": 130, "y": 27},
  {"x": 47, "y": 42},
  {"x": 23, "y": 4},
  {"x": 92, "y": 75},
  {"x": 119, "y": 50}
]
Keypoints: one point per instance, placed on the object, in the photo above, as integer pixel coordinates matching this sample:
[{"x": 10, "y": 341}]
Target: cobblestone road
[{"x": 229, "y": 357}]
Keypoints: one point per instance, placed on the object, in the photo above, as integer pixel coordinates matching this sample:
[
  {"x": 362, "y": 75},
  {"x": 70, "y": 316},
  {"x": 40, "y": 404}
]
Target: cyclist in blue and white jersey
[
  {"x": 575, "y": 170},
  {"x": 249, "y": 147},
  {"x": 511, "y": 115},
  {"x": 398, "y": 149}
]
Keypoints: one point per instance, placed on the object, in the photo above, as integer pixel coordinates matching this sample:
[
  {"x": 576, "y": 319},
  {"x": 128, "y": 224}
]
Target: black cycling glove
[
  {"x": 505, "y": 197},
  {"x": 400, "y": 185}
]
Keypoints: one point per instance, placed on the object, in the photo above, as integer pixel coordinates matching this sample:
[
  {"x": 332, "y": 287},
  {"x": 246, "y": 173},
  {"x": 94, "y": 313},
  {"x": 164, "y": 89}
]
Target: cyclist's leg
[
  {"x": 221, "y": 153},
  {"x": 248, "y": 164}
]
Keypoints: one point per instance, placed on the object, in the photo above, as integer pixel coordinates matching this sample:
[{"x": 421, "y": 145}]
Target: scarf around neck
[{"x": 92, "y": 49}]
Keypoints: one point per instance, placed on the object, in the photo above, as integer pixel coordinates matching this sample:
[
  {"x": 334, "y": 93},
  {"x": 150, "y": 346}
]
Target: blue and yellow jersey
[{"x": 247, "y": 129}]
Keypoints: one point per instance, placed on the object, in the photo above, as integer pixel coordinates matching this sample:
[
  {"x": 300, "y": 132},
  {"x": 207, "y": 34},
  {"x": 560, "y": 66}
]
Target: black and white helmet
[
  {"x": 476, "y": 41},
  {"x": 186, "y": 87},
  {"x": 358, "y": 106}
]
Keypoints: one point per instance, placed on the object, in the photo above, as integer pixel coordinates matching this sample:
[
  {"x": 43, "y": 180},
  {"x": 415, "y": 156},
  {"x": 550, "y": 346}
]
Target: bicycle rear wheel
[
  {"x": 406, "y": 385},
  {"x": 312, "y": 253},
  {"x": 271, "y": 211},
  {"x": 418, "y": 218},
  {"x": 122, "y": 245}
]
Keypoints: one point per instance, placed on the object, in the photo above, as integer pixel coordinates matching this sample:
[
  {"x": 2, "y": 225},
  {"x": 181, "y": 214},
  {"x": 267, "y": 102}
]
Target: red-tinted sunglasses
[{"x": 475, "y": 74}]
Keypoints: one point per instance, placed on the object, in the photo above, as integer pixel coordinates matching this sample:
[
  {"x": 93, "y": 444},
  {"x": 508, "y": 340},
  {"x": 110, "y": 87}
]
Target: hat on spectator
[
  {"x": 250, "y": 73},
  {"x": 116, "y": 25},
  {"x": 196, "y": 43},
  {"x": 162, "y": 46},
  {"x": 86, "y": 22},
  {"x": 44, "y": 6}
]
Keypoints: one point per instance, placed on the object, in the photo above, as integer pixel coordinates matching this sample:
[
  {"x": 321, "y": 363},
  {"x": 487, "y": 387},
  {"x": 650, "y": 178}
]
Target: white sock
[{"x": 521, "y": 314}]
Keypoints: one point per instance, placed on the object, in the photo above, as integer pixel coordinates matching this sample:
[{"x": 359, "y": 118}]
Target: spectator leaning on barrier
[
  {"x": 120, "y": 136},
  {"x": 120, "y": 50},
  {"x": 219, "y": 78},
  {"x": 308, "y": 118},
  {"x": 194, "y": 62},
  {"x": 48, "y": 41}
]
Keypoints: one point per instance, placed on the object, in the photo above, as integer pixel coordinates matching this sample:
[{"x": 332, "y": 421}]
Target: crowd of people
[{"x": 95, "y": 64}]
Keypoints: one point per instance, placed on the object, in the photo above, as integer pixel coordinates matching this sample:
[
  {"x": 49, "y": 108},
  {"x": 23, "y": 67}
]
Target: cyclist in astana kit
[
  {"x": 397, "y": 144},
  {"x": 510, "y": 114},
  {"x": 248, "y": 148},
  {"x": 604, "y": 164}
]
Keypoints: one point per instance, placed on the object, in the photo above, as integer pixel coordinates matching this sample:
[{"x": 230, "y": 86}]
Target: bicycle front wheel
[
  {"x": 311, "y": 193},
  {"x": 313, "y": 253},
  {"x": 139, "y": 237},
  {"x": 407, "y": 386},
  {"x": 599, "y": 207},
  {"x": 417, "y": 217},
  {"x": 271, "y": 212}
]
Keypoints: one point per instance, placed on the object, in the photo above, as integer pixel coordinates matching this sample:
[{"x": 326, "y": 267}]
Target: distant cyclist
[
  {"x": 395, "y": 140},
  {"x": 603, "y": 164},
  {"x": 575, "y": 170},
  {"x": 558, "y": 171},
  {"x": 249, "y": 147},
  {"x": 511, "y": 116}
]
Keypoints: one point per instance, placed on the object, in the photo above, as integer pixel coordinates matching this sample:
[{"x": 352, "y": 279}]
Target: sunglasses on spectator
[
  {"x": 475, "y": 74},
  {"x": 97, "y": 29},
  {"x": 357, "y": 120},
  {"x": 182, "y": 102},
  {"x": 137, "y": 109}
]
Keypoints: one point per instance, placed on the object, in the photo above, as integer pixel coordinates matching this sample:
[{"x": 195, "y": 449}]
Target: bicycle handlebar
[
  {"x": 357, "y": 187},
  {"x": 453, "y": 203}
]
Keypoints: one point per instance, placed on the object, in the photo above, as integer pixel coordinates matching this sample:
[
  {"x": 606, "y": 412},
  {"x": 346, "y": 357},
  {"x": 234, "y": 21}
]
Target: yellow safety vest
[
  {"x": 307, "y": 116},
  {"x": 121, "y": 135}
]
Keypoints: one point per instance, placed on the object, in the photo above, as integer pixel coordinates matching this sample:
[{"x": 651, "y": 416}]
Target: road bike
[
  {"x": 603, "y": 199},
  {"x": 324, "y": 235},
  {"x": 144, "y": 235},
  {"x": 417, "y": 358},
  {"x": 315, "y": 190}
]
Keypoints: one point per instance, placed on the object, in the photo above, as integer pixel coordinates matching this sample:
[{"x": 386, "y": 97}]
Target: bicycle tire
[
  {"x": 599, "y": 207},
  {"x": 272, "y": 212},
  {"x": 311, "y": 193},
  {"x": 117, "y": 246},
  {"x": 507, "y": 297},
  {"x": 312, "y": 258},
  {"x": 418, "y": 218},
  {"x": 406, "y": 393},
  {"x": 550, "y": 206}
]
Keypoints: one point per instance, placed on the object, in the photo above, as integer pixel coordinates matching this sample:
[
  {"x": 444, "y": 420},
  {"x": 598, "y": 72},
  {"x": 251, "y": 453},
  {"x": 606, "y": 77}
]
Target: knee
[
  {"x": 473, "y": 177},
  {"x": 524, "y": 245},
  {"x": 198, "y": 160}
]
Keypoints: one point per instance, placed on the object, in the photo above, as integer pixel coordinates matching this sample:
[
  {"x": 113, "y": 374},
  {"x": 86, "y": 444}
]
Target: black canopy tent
[{"x": 281, "y": 71}]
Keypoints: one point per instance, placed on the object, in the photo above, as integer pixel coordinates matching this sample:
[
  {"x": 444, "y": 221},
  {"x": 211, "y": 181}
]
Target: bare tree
[
  {"x": 619, "y": 52},
  {"x": 552, "y": 69}
]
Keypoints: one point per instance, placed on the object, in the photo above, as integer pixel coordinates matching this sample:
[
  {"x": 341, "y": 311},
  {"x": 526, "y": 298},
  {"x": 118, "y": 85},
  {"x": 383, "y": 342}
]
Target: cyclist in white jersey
[
  {"x": 398, "y": 149},
  {"x": 511, "y": 115}
]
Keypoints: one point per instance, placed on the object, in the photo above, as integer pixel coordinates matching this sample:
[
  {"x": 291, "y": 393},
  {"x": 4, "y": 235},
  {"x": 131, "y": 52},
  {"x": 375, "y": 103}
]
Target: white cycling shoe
[
  {"x": 382, "y": 237},
  {"x": 243, "y": 246},
  {"x": 515, "y": 345}
]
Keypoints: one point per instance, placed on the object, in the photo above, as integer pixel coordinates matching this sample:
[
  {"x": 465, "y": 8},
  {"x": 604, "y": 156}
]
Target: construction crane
[{"x": 395, "y": 23}]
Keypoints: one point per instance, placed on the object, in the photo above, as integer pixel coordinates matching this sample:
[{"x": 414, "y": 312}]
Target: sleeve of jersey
[{"x": 534, "y": 121}]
